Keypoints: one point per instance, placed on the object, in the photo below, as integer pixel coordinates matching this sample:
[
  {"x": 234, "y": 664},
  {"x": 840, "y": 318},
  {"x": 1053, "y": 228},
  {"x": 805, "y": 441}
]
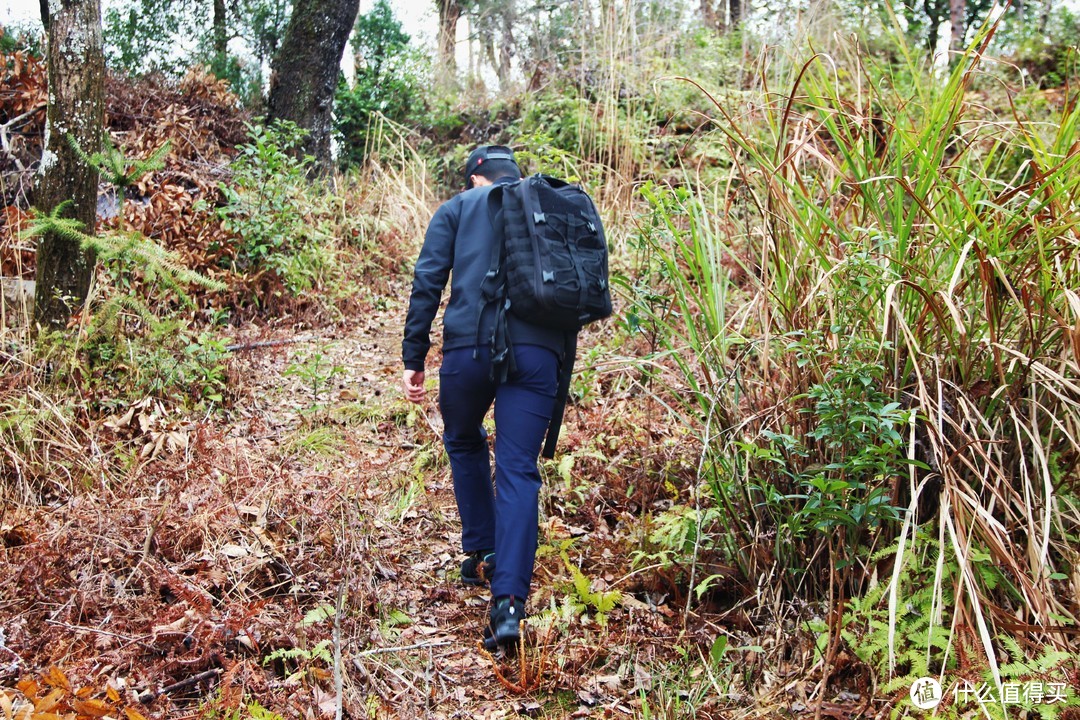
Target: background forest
[{"x": 827, "y": 446}]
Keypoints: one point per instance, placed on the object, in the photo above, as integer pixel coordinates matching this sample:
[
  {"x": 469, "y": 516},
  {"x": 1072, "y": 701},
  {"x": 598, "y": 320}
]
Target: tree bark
[
  {"x": 449, "y": 14},
  {"x": 958, "y": 20},
  {"x": 76, "y": 69},
  {"x": 221, "y": 38},
  {"x": 506, "y": 46},
  {"x": 936, "y": 12},
  {"x": 1044, "y": 15},
  {"x": 708, "y": 15},
  {"x": 737, "y": 11},
  {"x": 306, "y": 67}
]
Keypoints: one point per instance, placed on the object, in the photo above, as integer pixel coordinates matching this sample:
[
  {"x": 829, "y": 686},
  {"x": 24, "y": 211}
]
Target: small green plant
[
  {"x": 393, "y": 621},
  {"x": 601, "y": 601},
  {"x": 406, "y": 497},
  {"x": 258, "y": 712},
  {"x": 119, "y": 171},
  {"x": 206, "y": 357},
  {"x": 300, "y": 661},
  {"x": 316, "y": 615},
  {"x": 575, "y": 489},
  {"x": 584, "y": 388},
  {"x": 675, "y": 537},
  {"x": 321, "y": 440},
  {"x": 316, "y": 370},
  {"x": 686, "y": 687},
  {"x": 904, "y": 631},
  {"x": 271, "y": 206}
]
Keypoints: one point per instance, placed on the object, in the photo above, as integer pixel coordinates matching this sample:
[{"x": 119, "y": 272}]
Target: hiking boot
[
  {"x": 504, "y": 627},
  {"x": 478, "y": 568}
]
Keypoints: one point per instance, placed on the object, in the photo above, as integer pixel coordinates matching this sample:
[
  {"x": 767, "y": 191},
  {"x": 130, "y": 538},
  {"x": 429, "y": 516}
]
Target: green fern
[
  {"x": 258, "y": 712},
  {"x": 922, "y": 645},
  {"x": 602, "y": 602},
  {"x": 117, "y": 170},
  {"x": 65, "y": 227},
  {"x": 158, "y": 264},
  {"x": 303, "y": 658},
  {"x": 106, "y": 322}
]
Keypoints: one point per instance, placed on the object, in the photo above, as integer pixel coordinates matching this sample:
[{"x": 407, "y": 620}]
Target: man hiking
[{"x": 498, "y": 525}]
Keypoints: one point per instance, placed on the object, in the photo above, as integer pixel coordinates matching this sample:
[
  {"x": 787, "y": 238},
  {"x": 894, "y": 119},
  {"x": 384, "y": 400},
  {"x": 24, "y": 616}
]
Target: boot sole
[{"x": 507, "y": 640}]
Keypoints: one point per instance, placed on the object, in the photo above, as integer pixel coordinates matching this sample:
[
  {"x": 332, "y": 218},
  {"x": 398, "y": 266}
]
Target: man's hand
[{"x": 412, "y": 382}]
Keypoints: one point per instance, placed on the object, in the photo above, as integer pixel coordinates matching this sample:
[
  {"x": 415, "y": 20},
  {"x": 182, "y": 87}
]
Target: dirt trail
[{"x": 306, "y": 537}]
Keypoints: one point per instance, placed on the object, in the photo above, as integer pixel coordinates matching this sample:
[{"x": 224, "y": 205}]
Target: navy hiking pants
[{"x": 505, "y": 520}]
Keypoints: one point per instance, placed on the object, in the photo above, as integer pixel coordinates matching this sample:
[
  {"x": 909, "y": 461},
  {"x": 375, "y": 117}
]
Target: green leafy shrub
[
  {"x": 273, "y": 209},
  {"x": 388, "y": 84},
  {"x": 126, "y": 319},
  {"x": 1049, "y": 57}
]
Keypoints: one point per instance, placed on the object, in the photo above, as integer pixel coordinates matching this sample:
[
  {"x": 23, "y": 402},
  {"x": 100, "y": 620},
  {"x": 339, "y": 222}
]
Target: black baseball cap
[{"x": 500, "y": 154}]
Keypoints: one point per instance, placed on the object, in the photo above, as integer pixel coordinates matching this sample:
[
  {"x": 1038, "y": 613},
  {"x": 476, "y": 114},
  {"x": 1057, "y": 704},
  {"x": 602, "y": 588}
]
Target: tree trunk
[
  {"x": 708, "y": 15},
  {"x": 736, "y": 11},
  {"x": 76, "y": 68},
  {"x": 221, "y": 39},
  {"x": 449, "y": 14},
  {"x": 305, "y": 70},
  {"x": 506, "y": 46},
  {"x": 1044, "y": 15},
  {"x": 957, "y": 13},
  {"x": 936, "y": 11}
]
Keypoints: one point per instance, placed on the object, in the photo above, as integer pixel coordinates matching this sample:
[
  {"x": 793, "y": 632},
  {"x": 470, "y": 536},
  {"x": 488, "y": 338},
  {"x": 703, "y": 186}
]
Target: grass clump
[{"x": 874, "y": 320}]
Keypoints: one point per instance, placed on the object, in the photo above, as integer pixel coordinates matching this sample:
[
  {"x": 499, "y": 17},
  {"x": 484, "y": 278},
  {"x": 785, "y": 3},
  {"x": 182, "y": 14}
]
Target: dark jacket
[{"x": 460, "y": 239}]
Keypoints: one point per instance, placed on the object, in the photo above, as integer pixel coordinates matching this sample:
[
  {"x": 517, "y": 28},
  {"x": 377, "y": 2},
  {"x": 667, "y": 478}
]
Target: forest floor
[{"x": 306, "y": 540}]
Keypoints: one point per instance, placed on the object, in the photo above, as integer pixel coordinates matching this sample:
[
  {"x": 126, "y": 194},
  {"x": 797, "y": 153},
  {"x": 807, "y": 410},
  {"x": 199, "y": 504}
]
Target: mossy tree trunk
[
  {"x": 506, "y": 45},
  {"x": 306, "y": 68},
  {"x": 221, "y": 39},
  {"x": 76, "y": 69},
  {"x": 449, "y": 15}
]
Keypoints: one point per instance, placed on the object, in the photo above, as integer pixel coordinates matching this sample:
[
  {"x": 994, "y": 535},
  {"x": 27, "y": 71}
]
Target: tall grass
[{"x": 877, "y": 322}]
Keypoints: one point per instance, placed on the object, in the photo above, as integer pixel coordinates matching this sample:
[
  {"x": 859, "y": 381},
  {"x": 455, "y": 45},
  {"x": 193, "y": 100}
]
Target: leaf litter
[
  {"x": 305, "y": 538},
  {"x": 223, "y": 568}
]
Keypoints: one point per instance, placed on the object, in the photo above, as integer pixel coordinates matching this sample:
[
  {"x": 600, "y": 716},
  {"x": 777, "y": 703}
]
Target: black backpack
[
  {"x": 553, "y": 253},
  {"x": 549, "y": 267}
]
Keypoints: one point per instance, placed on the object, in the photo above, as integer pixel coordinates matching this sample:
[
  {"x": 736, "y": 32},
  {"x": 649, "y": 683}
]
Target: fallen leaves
[
  {"x": 149, "y": 421},
  {"x": 52, "y": 697},
  {"x": 249, "y": 539}
]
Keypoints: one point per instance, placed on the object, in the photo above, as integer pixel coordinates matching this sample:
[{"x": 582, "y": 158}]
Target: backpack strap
[
  {"x": 493, "y": 290},
  {"x": 566, "y": 372},
  {"x": 493, "y": 286}
]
